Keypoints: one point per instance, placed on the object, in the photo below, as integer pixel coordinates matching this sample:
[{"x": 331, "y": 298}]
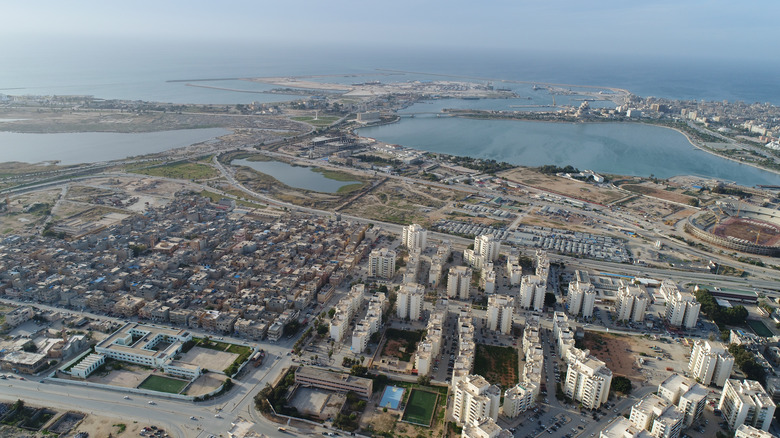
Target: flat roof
[{"x": 320, "y": 374}]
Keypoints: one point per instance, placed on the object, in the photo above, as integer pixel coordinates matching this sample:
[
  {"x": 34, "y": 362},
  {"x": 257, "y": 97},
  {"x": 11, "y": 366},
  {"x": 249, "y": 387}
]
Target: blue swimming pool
[{"x": 391, "y": 398}]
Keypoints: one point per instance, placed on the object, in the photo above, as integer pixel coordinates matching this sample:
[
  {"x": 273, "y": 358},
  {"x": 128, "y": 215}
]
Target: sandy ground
[
  {"x": 563, "y": 186},
  {"x": 657, "y": 191},
  {"x": 206, "y": 383},
  {"x": 99, "y": 427},
  {"x": 130, "y": 377},
  {"x": 209, "y": 359}
]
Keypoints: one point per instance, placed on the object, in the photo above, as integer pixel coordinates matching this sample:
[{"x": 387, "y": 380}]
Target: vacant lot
[
  {"x": 163, "y": 384},
  {"x": 179, "y": 171},
  {"x": 499, "y": 365},
  {"x": 420, "y": 407},
  {"x": 563, "y": 186},
  {"x": 209, "y": 359},
  {"x": 657, "y": 191},
  {"x": 130, "y": 376},
  {"x": 615, "y": 351},
  {"x": 401, "y": 343}
]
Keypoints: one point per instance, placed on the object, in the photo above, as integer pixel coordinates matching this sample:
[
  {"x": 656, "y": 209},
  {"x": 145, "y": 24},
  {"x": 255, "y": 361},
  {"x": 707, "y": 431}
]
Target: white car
[
  {"x": 126, "y": 397},
  {"x": 151, "y": 402}
]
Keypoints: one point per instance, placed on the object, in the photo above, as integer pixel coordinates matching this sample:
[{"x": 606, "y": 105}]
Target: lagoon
[
  {"x": 92, "y": 147},
  {"x": 613, "y": 148},
  {"x": 295, "y": 176}
]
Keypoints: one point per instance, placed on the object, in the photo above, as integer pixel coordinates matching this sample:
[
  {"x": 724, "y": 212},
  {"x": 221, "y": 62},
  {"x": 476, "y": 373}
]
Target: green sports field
[
  {"x": 420, "y": 407},
  {"x": 163, "y": 384}
]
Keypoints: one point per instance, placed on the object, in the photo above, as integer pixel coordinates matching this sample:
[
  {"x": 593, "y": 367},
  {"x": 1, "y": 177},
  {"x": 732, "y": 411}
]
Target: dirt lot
[
  {"x": 129, "y": 376},
  {"x": 563, "y": 186},
  {"x": 205, "y": 384},
  {"x": 615, "y": 351},
  {"x": 209, "y": 359},
  {"x": 657, "y": 191},
  {"x": 97, "y": 426}
]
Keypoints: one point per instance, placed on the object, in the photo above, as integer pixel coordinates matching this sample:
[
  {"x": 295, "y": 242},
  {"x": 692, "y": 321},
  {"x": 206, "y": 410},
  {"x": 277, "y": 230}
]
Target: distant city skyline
[{"x": 714, "y": 29}]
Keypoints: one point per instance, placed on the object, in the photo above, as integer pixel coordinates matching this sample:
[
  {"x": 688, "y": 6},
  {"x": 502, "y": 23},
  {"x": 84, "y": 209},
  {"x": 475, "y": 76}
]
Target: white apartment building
[
  {"x": 475, "y": 399},
  {"x": 710, "y": 363},
  {"x": 369, "y": 324},
  {"x": 657, "y": 415},
  {"x": 588, "y": 381},
  {"x": 381, "y": 263},
  {"x": 689, "y": 397},
  {"x": 542, "y": 265},
  {"x": 518, "y": 399},
  {"x": 459, "y": 282},
  {"x": 486, "y": 428},
  {"x": 682, "y": 309},
  {"x": 414, "y": 237},
  {"x": 621, "y": 427},
  {"x": 430, "y": 347},
  {"x": 581, "y": 298},
  {"x": 409, "y": 302},
  {"x": 487, "y": 246},
  {"x": 346, "y": 309},
  {"x": 745, "y": 431},
  {"x": 532, "y": 290},
  {"x": 488, "y": 279},
  {"x": 746, "y": 402},
  {"x": 631, "y": 303},
  {"x": 501, "y": 309}
]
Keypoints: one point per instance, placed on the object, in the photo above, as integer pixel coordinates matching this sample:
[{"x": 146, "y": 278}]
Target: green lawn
[
  {"x": 420, "y": 407},
  {"x": 163, "y": 384},
  {"x": 759, "y": 328}
]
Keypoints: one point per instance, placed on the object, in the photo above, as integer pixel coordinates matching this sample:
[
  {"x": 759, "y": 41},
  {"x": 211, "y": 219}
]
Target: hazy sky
[{"x": 710, "y": 28}]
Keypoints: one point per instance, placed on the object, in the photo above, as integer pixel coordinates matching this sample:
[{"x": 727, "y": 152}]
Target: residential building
[
  {"x": 414, "y": 237},
  {"x": 486, "y": 250},
  {"x": 631, "y": 303},
  {"x": 710, "y": 363},
  {"x": 682, "y": 309},
  {"x": 409, "y": 301},
  {"x": 485, "y": 428},
  {"x": 745, "y": 431},
  {"x": 657, "y": 415},
  {"x": 542, "y": 266},
  {"x": 381, "y": 263},
  {"x": 430, "y": 347},
  {"x": 19, "y": 316},
  {"x": 475, "y": 399},
  {"x": 518, "y": 399},
  {"x": 488, "y": 279},
  {"x": 689, "y": 397},
  {"x": 588, "y": 381},
  {"x": 532, "y": 290},
  {"x": 621, "y": 427},
  {"x": 581, "y": 298},
  {"x": 501, "y": 309},
  {"x": 459, "y": 282},
  {"x": 340, "y": 382},
  {"x": 746, "y": 402},
  {"x": 369, "y": 324}
]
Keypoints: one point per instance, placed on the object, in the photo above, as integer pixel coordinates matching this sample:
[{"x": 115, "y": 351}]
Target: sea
[{"x": 163, "y": 71}]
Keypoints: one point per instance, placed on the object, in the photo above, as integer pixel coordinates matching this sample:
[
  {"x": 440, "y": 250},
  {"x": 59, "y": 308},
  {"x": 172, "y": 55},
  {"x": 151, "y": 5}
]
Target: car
[
  {"x": 41, "y": 381},
  {"x": 126, "y": 397},
  {"x": 193, "y": 418},
  {"x": 151, "y": 402},
  {"x": 217, "y": 416}
]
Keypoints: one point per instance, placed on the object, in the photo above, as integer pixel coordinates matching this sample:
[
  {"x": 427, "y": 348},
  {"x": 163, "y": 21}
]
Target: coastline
[{"x": 687, "y": 136}]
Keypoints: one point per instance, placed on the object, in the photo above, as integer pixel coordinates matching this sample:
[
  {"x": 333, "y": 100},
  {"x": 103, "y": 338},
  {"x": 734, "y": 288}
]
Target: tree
[
  {"x": 424, "y": 380},
  {"x": 358, "y": 370},
  {"x": 621, "y": 384},
  {"x": 331, "y": 312}
]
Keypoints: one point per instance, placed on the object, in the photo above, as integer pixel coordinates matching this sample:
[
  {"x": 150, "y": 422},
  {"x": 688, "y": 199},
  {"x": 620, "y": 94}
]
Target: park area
[
  {"x": 498, "y": 365},
  {"x": 420, "y": 407},
  {"x": 163, "y": 384}
]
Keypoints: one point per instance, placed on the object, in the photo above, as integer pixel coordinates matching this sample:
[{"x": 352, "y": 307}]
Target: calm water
[
  {"x": 90, "y": 147},
  {"x": 619, "y": 148},
  {"x": 295, "y": 176}
]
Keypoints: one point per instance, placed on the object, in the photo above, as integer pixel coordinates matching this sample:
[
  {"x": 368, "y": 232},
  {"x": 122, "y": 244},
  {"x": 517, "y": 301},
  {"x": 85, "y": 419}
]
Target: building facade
[
  {"x": 459, "y": 282},
  {"x": 630, "y": 304},
  {"x": 475, "y": 400},
  {"x": 500, "y": 311},
  {"x": 381, "y": 263},
  {"x": 581, "y": 299},
  {"x": 746, "y": 402},
  {"x": 710, "y": 363},
  {"x": 588, "y": 381},
  {"x": 409, "y": 302},
  {"x": 414, "y": 237}
]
